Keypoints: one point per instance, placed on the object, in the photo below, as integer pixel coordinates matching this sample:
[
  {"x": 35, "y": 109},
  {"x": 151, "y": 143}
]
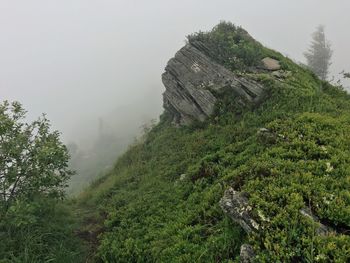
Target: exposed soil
[{"x": 90, "y": 228}]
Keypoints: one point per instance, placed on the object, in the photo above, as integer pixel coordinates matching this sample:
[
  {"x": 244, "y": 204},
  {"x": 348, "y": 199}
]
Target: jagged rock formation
[{"x": 190, "y": 79}]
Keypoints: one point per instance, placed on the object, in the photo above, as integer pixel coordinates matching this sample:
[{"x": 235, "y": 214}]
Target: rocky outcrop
[
  {"x": 190, "y": 80},
  {"x": 235, "y": 205}
]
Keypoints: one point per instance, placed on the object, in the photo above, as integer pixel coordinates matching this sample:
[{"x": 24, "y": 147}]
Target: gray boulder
[
  {"x": 271, "y": 64},
  {"x": 235, "y": 205},
  {"x": 247, "y": 254},
  {"x": 322, "y": 229},
  {"x": 266, "y": 136},
  {"x": 281, "y": 74},
  {"x": 190, "y": 79}
]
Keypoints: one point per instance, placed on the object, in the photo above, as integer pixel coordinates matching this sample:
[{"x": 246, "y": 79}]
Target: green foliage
[
  {"x": 34, "y": 224},
  {"x": 32, "y": 159},
  {"x": 160, "y": 202},
  {"x": 39, "y": 231},
  {"x": 307, "y": 167},
  {"x": 152, "y": 215},
  {"x": 162, "y": 196},
  {"x": 231, "y": 46}
]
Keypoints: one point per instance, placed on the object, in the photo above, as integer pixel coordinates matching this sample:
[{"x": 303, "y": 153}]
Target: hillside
[{"x": 250, "y": 160}]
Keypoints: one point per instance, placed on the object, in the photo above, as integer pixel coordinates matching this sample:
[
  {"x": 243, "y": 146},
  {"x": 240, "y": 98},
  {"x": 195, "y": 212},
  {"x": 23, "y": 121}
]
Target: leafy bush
[
  {"x": 230, "y": 46},
  {"x": 39, "y": 231},
  {"x": 33, "y": 160},
  {"x": 35, "y": 226}
]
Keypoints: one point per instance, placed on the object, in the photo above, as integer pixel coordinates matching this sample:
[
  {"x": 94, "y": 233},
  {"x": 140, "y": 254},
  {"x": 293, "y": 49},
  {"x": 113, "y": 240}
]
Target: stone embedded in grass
[
  {"x": 247, "y": 254},
  {"x": 266, "y": 136},
  {"x": 281, "y": 74},
  {"x": 235, "y": 205},
  {"x": 271, "y": 64},
  {"x": 182, "y": 177},
  {"x": 321, "y": 229}
]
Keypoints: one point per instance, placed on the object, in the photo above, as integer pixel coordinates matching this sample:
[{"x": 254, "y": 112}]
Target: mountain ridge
[{"x": 286, "y": 160}]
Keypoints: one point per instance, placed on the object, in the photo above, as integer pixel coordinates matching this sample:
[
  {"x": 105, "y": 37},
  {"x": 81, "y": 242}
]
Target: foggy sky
[{"x": 77, "y": 60}]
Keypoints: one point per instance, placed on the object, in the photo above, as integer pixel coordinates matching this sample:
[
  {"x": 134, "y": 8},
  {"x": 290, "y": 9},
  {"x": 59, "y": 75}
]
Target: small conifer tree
[{"x": 319, "y": 54}]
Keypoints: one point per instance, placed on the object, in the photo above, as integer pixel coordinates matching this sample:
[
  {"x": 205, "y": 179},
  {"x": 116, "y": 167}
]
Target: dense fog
[{"x": 94, "y": 66}]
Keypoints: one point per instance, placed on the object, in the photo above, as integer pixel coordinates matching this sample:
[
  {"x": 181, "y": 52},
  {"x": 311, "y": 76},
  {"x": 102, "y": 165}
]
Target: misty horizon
[{"x": 78, "y": 62}]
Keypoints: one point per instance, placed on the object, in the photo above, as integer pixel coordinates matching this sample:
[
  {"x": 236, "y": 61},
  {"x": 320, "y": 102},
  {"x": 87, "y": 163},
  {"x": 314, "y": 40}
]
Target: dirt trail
[{"x": 90, "y": 227}]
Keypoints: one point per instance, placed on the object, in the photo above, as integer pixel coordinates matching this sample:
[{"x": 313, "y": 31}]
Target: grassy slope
[
  {"x": 152, "y": 215},
  {"x": 41, "y": 231}
]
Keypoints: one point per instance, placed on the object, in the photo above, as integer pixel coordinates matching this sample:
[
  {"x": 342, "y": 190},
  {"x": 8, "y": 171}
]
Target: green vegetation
[
  {"x": 34, "y": 225},
  {"x": 160, "y": 202},
  {"x": 162, "y": 196},
  {"x": 231, "y": 46},
  {"x": 40, "y": 231},
  {"x": 33, "y": 160}
]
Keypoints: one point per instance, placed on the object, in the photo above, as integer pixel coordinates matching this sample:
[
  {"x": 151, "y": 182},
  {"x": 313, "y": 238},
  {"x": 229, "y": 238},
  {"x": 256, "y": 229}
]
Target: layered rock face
[{"x": 190, "y": 79}]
